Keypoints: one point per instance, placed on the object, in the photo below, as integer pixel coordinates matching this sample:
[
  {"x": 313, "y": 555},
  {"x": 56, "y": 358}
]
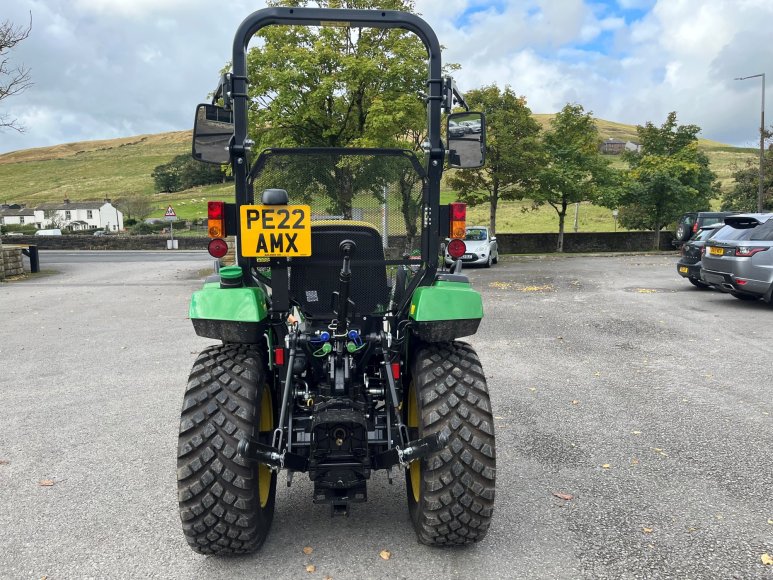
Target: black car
[
  {"x": 691, "y": 222},
  {"x": 689, "y": 265}
]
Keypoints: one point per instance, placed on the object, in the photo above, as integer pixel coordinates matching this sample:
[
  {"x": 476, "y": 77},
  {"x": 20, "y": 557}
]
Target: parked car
[
  {"x": 481, "y": 247},
  {"x": 52, "y": 232},
  {"x": 455, "y": 130},
  {"x": 691, "y": 222},
  {"x": 689, "y": 265},
  {"x": 742, "y": 267}
]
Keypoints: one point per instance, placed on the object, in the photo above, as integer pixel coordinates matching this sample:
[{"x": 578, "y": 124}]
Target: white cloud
[{"x": 103, "y": 68}]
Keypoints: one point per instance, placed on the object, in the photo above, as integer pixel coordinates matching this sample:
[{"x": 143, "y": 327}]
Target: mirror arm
[
  {"x": 224, "y": 90},
  {"x": 453, "y": 95}
]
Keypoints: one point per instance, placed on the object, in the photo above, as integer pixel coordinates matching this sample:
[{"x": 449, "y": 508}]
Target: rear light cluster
[
  {"x": 746, "y": 251},
  {"x": 458, "y": 218},
  {"x": 458, "y": 214},
  {"x": 216, "y": 229},
  {"x": 695, "y": 227}
]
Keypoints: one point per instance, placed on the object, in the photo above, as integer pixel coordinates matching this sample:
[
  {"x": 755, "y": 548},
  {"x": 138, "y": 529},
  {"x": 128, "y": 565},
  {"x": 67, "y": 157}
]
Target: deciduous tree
[
  {"x": 14, "y": 79},
  {"x": 513, "y": 151},
  {"x": 573, "y": 170},
  {"x": 668, "y": 177}
]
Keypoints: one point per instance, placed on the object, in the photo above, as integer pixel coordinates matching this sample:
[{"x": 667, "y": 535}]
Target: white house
[
  {"x": 80, "y": 215},
  {"x": 15, "y": 215}
]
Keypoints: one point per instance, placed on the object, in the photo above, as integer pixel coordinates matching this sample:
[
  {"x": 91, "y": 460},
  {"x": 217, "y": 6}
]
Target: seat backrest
[{"x": 314, "y": 279}]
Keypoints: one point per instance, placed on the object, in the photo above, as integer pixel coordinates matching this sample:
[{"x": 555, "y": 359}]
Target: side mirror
[
  {"x": 466, "y": 140},
  {"x": 212, "y": 133}
]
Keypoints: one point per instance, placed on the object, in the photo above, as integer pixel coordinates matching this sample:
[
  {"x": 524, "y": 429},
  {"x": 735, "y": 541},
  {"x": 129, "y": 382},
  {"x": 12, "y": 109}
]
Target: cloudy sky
[{"x": 114, "y": 68}]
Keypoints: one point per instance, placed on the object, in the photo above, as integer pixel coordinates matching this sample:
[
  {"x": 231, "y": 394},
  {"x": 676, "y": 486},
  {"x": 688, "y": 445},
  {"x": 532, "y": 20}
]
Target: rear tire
[
  {"x": 226, "y": 502},
  {"x": 451, "y": 493}
]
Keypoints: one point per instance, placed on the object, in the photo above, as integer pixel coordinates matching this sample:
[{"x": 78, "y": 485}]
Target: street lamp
[{"x": 762, "y": 135}]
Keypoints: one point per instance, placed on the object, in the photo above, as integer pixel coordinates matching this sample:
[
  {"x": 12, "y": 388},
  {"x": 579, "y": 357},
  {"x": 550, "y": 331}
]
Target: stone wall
[
  {"x": 12, "y": 262},
  {"x": 508, "y": 243}
]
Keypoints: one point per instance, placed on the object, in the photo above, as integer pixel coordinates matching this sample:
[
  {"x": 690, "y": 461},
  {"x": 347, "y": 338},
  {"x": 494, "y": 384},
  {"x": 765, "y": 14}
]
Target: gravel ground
[{"x": 613, "y": 381}]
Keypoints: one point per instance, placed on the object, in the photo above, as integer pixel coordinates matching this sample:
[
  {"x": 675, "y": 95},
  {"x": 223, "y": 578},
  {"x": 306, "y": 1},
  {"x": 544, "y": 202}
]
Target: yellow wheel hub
[
  {"x": 412, "y": 422},
  {"x": 266, "y": 425}
]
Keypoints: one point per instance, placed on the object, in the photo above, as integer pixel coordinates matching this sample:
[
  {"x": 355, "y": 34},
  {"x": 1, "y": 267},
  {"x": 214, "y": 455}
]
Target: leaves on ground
[
  {"x": 646, "y": 290},
  {"x": 311, "y": 568},
  {"x": 647, "y": 530},
  {"x": 606, "y": 466},
  {"x": 575, "y": 402},
  {"x": 4, "y": 462},
  {"x": 634, "y": 461},
  {"x": 635, "y": 432},
  {"x": 564, "y": 496},
  {"x": 770, "y": 522},
  {"x": 46, "y": 482},
  {"x": 385, "y": 554},
  {"x": 766, "y": 559},
  {"x": 308, "y": 550}
]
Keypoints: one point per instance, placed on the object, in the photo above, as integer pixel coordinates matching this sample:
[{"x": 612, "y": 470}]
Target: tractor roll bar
[{"x": 358, "y": 19}]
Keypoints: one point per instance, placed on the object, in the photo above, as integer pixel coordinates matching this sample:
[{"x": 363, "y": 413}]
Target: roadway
[{"x": 614, "y": 382}]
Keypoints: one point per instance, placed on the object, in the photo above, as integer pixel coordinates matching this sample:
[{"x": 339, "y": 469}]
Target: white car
[{"x": 481, "y": 247}]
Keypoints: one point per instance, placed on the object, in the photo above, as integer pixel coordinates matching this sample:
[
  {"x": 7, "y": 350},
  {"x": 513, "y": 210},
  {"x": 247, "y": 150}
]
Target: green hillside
[{"x": 120, "y": 168}]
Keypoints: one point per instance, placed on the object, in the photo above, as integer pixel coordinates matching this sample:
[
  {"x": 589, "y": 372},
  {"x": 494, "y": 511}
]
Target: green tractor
[{"x": 337, "y": 324}]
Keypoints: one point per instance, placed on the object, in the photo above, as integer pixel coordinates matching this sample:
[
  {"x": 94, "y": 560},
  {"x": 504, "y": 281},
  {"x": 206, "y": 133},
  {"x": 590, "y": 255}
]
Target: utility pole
[{"x": 762, "y": 137}]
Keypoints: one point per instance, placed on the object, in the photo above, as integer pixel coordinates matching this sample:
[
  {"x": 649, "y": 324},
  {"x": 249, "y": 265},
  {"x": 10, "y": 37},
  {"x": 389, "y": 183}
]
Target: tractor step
[
  {"x": 254, "y": 451},
  {"x": 414, "y": 450}
]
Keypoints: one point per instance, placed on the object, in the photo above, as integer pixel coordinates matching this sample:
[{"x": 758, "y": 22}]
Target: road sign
[{"x": 170, "y": 215}]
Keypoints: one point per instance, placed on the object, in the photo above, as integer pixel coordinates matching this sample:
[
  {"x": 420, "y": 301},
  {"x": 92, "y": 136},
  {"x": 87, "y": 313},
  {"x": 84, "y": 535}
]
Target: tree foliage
[
  {"x": 743, "y": 196},
  {"x": 184, "y": 172},
  {"x": 13, "y": 79},
  {"x": 573, "y": 171},
  {"x": 667, "y": 177},
  {"x": 135, "y": 207},
  {"x": 512, "y": 151}
]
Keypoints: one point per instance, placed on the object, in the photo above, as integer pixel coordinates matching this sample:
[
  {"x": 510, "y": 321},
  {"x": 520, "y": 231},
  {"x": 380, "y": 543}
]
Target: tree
[
  {"x": 339, "y": 87},
  {"x": 743, "y": 196},
  {"x": 574, "y": 171},
  {"x": 184, "y": 172},
  {"x": 668, "y": 176},
  {"x": 135, "y": 207},
  {"x": 512, "y": 151},
  {"x": 13, "y": 79}
]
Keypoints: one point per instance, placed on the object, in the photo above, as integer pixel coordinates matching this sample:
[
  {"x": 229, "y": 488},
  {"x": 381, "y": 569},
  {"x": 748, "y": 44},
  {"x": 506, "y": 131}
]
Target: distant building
[
  {"x": 612, "y": 147},
  {"x": 16, "y": 215},
  {"x": 631, "y": 146},
  {"x": 80, "y": 215}
]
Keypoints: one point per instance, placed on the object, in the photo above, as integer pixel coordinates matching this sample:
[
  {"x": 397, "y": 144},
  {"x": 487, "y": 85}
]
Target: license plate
[
  {"x": 714, "y": 251},
  {"x": 275, "y": 231},
  {"x": 468, "y": 256},
  {"x": 683, "y": 269}
]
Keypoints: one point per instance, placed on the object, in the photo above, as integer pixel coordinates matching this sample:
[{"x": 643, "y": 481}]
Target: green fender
[
  {"x": 446, "y": 310},
  {"x": 229, "y": 314}
]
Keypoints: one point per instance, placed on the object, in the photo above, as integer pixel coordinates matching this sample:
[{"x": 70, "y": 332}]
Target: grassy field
[{"x": 121, "y": 168}]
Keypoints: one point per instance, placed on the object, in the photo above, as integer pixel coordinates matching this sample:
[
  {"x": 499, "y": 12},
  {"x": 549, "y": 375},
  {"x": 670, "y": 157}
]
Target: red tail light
[
  {"x": 456, "y": 249},
  {"x": 740, "y": 281},
  {"x": 695, "y": 227},
  {"x": 746, "y": 251},
  {"x": 279, "y": 356},
  {"x": 396, "y": 370}
]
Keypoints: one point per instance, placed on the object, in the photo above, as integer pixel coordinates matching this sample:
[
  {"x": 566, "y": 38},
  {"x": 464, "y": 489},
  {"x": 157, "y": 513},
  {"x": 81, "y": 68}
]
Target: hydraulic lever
[{"x": 347, "y": 248}]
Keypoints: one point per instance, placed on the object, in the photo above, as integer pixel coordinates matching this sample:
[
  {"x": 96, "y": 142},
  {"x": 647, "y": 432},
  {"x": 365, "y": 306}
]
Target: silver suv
[{"x": 742, "y": 267}]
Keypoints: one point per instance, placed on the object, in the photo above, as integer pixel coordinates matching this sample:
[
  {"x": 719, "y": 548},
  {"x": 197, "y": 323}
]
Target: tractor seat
[{"x": 314, "y": 279}]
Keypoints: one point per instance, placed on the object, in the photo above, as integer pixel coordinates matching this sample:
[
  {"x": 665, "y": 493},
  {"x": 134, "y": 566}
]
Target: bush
[
  {"x": 128, "y": 222},
  {"x": 143, "y": 229}
]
